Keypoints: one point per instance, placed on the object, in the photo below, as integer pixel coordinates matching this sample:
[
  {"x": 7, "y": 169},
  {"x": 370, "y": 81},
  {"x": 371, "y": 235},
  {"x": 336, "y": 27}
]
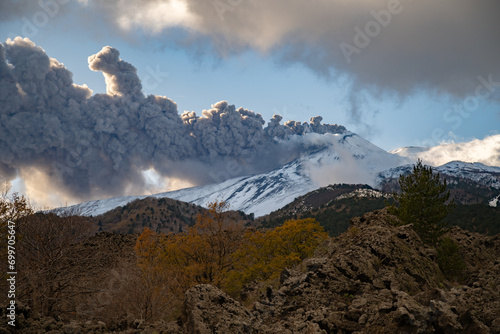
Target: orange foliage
[
  {"x": 159, "y": 285},
  {"x": 266, "y": 254},
  {"x": 219, "y": 251},
  {"x": 205, "y": 253}
]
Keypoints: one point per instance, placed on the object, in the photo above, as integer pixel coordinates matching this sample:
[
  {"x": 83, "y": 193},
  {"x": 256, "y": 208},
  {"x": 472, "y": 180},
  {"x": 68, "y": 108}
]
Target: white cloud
[
  {"x": 156, "y": 16},
  {"x": 486, "y": 151}
]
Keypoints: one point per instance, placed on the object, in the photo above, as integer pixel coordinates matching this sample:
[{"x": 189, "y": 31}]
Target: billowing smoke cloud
[
  {"x": 94, "y": 145},
  {"x": 384, "y": 46}
]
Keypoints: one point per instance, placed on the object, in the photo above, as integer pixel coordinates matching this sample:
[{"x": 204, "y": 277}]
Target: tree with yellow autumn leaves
[
  {"x": 219, "y": 250},
  {"x": 266, "y": 253}
]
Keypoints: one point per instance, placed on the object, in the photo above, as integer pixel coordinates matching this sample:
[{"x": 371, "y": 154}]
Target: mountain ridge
[{"x": 333, "y": 159}]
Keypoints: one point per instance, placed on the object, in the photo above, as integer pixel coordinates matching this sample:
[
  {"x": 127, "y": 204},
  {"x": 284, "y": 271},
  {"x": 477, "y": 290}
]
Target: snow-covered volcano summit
[
  {"x": 331, "y": 158},
  {"x": 335, "y": 158}
]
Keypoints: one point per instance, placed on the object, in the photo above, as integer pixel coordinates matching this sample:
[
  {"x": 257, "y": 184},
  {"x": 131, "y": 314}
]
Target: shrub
[{"x": 450, "y": 260}]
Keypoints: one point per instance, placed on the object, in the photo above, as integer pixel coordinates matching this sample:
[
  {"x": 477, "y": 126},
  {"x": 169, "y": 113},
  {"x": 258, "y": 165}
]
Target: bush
[{"x": 450, "y": 260}]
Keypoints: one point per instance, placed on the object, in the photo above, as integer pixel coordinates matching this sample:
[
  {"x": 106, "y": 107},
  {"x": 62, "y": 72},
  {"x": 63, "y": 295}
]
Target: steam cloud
[
  {"x": 95, "y": 145},
  {"x": 486, "y": 151}
]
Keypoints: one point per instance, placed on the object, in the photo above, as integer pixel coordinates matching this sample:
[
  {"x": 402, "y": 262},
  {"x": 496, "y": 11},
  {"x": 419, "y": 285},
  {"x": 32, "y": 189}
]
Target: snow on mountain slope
[
  {"x": 332, "y": 158},
  {"x": 341, "y": 158},
  {"x": 360, "y": 193},
  {"x": 97, "y": 207},
  {"x": 259, "y": 194},
  {"x": 263, "y": 193},
  {"x": 477, "y": 172},
  {"x": 494, "y": 201}
]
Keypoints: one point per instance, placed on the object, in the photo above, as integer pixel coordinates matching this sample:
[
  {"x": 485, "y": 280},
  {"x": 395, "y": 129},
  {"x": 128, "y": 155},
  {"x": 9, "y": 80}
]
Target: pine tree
[{"x": 423, "y": 203}]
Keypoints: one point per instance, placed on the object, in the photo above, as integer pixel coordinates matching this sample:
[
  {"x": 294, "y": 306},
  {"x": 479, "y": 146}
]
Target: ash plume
[
  {"x": 389, "y": 49},
  {"x": 88, "y": 145}
]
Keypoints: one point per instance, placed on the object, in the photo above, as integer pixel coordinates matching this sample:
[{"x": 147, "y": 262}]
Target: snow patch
[
  {"x": 494, "y": 201},
  {"x": 363, "y": 193}
]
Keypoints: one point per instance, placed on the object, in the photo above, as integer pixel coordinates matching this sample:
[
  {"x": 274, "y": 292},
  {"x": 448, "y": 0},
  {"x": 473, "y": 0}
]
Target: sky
[{"x": 398, "y": 73}]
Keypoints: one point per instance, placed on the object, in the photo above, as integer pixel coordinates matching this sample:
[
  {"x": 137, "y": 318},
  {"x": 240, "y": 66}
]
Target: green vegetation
[
  {"x": 423, "y": 202},
  {"x": 183, "y": 245},
  {"x": 449, "y": 259},
  {"x": 334, "y": 216},
  {"x": 480, "y": 218},
  {"x": 161, "y": 215},
  {"x": 335, "y": 219}
]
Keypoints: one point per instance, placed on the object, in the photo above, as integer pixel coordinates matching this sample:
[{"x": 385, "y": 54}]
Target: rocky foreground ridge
[{"x": 375, "y": 278}]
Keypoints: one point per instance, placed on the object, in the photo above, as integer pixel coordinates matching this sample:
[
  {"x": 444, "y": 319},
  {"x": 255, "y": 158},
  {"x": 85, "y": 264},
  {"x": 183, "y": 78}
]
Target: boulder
[{"x": 209, "y": 310}]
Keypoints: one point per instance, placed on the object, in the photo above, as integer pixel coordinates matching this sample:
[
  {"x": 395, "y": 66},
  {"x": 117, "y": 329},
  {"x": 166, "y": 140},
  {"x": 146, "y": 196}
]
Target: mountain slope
[
  {"x": 470, "y": 183},
  {"x": 485, "y": 175},
  {"x": 376, "y": 278},
  {"x": 336, "y": 205},
  {"x": 333, "y": 206},
  {"x": 158, "y": 214},
  {"x": 334, "y": 158},
  {"x": 330, "y": 159}
]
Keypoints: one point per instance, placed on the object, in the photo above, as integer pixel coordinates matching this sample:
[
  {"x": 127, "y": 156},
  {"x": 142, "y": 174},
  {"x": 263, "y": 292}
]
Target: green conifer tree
[{"x": 423, "y": 202}]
